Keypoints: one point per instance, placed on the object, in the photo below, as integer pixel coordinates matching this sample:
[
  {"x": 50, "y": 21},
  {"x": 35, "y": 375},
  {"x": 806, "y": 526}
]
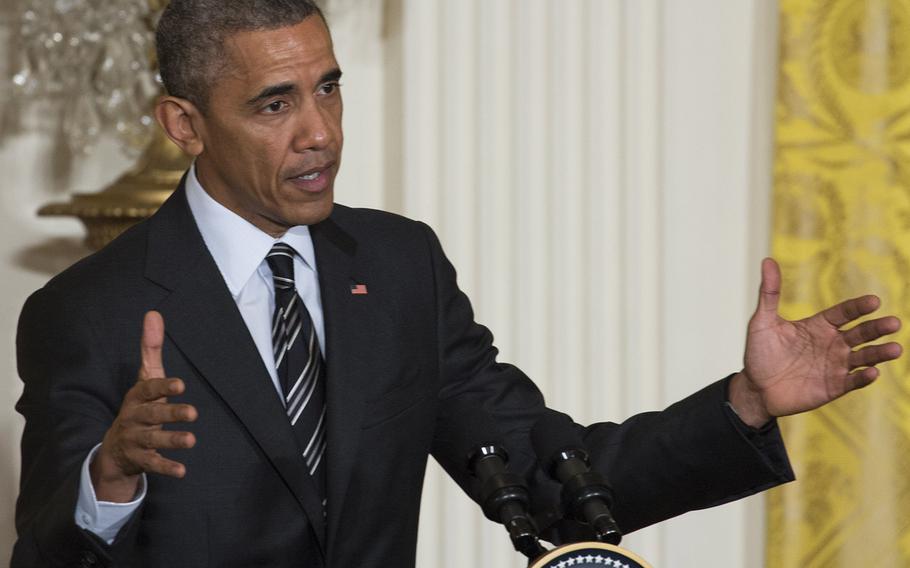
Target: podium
[{"x": 593, "y": 554}]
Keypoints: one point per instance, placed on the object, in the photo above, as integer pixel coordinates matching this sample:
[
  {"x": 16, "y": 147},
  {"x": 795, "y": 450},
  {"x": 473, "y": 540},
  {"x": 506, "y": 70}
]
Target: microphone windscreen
[{"x": 554, "y": 432}]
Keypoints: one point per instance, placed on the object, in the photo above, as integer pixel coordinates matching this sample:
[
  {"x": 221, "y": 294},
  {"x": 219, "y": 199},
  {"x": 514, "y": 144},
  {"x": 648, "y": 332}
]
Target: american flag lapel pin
[{"x": 359, "y": 289}]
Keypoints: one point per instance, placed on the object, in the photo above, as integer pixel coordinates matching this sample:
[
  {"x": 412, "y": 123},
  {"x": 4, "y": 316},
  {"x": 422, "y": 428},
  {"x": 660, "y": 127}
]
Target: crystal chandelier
[{"x": 93, "y": 58}]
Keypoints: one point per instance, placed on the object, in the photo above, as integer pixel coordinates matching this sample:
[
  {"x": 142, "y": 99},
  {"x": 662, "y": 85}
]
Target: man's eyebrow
[
  {"x": 285, "y": 88},
  {"x": 272, "y": 91},
  {"x": 332, "y": 76}
]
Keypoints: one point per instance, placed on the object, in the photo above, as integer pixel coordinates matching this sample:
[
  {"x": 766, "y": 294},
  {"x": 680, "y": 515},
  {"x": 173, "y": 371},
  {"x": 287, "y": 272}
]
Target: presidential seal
[{"x": 594, "y": 554}]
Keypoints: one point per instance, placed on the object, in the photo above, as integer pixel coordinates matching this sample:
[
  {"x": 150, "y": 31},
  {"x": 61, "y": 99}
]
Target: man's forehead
[{"x": 303, "y": 49}]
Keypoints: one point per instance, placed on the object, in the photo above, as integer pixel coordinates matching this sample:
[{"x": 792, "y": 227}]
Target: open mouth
[
  {"x": 313, "y": 174},
  {"x": 315, "y": 179}
]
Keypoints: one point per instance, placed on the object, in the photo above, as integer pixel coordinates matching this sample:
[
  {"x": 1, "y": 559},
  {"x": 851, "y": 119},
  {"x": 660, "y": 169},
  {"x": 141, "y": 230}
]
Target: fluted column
[{"x": 589, "y": 166}]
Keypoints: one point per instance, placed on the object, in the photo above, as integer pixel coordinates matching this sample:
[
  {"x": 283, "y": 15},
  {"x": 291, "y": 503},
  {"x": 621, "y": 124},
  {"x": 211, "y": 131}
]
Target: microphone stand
[{"x": 505, "y": 499}]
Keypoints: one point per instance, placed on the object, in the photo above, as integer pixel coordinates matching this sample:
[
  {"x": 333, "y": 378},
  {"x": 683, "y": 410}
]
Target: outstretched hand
[
  {"x": 795, "y": 366},
  {"x": 130, "y": 446}
]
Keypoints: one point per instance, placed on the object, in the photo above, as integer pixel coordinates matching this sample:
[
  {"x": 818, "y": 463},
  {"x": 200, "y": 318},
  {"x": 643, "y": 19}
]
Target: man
[{"x": 324, "y": 352}]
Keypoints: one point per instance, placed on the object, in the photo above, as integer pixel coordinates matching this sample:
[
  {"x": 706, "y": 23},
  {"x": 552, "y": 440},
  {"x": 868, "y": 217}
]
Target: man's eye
[
  {"x": 329, "y": 88},
  {"x": 274, "y": 107}
]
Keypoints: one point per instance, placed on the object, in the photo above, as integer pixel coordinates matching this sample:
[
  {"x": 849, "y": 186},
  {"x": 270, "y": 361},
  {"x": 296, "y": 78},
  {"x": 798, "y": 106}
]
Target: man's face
[{"x": 272, "y": 132}]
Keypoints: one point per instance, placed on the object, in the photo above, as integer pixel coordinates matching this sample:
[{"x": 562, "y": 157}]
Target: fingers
[
  {"x": 163, "y": 440},
  {"x": 149, "y": 390},
  {"x": 153, "y": 462},
  {"x": 769, "y": 291},
  {"x": 863, "y": 378},
  {"x": 871, "y": 330},
  {"x": 152, "y": 341},
  {"x": 873, "y": 355},
  {"x": 850, "y": 310},
  {"x": 139, "y": 436},
  {"x": 144, "y": 404},
  {"x": 156, "y": 413}
]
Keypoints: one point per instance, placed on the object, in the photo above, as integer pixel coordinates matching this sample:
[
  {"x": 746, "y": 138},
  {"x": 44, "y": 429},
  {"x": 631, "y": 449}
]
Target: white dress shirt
[{"x": 239, "y": 250}]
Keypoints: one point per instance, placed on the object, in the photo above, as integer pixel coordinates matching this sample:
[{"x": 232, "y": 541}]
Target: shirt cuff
[{"x": 103, "y": 518}]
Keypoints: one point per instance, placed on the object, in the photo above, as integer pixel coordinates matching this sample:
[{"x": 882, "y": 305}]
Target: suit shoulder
[
  {"x": 119, "y": 261},
  {"x": 376, "y": 226},
  {"x": 390, "y": 237},
  {"x": 373, "y": 219}
]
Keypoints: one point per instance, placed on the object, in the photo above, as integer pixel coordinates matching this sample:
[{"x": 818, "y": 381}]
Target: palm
[{"x": 801, "y": 365}]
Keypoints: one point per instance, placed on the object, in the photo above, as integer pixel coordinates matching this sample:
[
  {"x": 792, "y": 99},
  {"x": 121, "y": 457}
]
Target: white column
[
  {"x": 358, "y": 31},
  {"x": 593, "y": 169}
]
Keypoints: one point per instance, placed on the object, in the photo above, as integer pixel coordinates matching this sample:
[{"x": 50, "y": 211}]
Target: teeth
[{"x": 310, "y": 177}]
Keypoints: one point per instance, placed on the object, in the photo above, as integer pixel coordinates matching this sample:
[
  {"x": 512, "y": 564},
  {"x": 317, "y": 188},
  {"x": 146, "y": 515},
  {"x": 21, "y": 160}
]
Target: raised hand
[
  {"x": 131, "y": 444},
  {"x": 795, "y": 366}
]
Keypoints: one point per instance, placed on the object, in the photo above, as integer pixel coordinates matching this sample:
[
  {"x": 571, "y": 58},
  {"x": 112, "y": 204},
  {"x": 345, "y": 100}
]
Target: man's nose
[{"x": 314, "y": 129}]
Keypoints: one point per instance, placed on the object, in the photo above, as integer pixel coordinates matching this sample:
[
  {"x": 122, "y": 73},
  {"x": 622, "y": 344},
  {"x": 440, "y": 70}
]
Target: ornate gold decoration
[
  {"x": 135, "y": 195},
  {"x": 842, "y": 228}
]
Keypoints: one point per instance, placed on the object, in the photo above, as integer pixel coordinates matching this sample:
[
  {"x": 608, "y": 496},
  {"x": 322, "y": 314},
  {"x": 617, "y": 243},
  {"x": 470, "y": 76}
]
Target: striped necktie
[{"x": 299, "y": 363}]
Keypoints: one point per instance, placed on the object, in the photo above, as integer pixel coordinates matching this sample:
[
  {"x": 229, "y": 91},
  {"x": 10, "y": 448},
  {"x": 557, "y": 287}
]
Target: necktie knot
[{"x": 281, "y": 261}]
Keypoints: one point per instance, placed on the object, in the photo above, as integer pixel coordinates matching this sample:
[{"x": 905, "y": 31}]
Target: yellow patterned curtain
[{"x": 842, "y": 228}]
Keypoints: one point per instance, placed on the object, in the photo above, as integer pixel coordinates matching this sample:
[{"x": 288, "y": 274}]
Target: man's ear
[{"x": 181, "y": 121}]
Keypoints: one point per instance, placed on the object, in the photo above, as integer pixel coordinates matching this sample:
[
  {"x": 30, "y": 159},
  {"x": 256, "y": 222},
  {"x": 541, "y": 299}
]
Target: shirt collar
[{"x": 237, "y": 245}]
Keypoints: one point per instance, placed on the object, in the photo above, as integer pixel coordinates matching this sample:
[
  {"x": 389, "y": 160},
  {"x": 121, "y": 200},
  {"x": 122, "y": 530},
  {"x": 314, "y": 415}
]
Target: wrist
[
  {"x": 747, "y": 401},
  {"x": 109, "y": 481}
]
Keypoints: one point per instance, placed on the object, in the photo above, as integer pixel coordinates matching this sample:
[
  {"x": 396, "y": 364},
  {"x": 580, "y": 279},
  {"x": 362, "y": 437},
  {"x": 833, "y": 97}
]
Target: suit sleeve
[
  {"x": 70, "y": 397},
  {"x": 689, "y": 456}
]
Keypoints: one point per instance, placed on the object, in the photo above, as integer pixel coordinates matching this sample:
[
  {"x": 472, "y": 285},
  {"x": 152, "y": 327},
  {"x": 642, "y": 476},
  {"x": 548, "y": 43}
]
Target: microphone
[
  {"x": 586, "y": 494},
  {"x": 504, "y": 497}
]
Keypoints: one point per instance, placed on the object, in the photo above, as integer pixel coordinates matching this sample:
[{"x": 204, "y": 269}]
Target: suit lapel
[
  {"x": 203, "y": 321},
  {"x": 349, "y": 329}
]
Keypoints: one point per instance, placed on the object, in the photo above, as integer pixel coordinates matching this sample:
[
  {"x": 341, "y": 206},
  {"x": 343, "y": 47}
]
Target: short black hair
[{"x": 191, "y": 33}]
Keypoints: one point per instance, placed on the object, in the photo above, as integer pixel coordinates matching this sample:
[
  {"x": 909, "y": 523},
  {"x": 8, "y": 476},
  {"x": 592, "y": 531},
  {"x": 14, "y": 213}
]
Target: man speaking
[{"x": 256, "y": 376}]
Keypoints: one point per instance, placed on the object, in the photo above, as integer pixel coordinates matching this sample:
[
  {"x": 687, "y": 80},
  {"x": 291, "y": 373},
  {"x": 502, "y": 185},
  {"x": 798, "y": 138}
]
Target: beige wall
[{"x": 596, "y": 169}]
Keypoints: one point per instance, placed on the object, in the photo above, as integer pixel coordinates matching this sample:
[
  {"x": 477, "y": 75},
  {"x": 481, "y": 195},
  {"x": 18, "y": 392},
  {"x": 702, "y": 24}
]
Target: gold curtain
[{"x": 842, "y": 228}]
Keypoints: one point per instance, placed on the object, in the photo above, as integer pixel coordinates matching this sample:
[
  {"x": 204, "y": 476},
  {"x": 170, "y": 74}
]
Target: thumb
[
  {"x": 769, "y": 292},
  {"x": 152, "y": 340}
]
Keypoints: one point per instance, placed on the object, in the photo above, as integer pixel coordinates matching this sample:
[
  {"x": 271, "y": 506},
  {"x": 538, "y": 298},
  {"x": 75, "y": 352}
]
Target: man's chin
[
  {"x": 326, "y": 212},
  {"x": 312, "y": 213}
]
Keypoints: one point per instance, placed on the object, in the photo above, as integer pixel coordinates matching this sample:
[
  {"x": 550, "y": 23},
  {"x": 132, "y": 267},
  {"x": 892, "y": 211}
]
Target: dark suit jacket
[{"x": 409, "y": 374}]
